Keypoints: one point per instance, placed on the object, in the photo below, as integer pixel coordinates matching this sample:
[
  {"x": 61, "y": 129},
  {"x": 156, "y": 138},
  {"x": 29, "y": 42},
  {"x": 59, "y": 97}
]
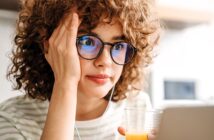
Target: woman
[{"x": 76, "y": 61}]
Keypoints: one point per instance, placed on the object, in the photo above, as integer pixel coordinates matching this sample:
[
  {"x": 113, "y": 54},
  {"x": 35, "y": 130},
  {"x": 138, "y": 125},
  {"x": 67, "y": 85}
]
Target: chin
[{"x": 98, "y": 92}]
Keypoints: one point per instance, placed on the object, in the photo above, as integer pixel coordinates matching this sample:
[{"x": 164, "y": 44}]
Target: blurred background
[{"x": 183, "y": 70}]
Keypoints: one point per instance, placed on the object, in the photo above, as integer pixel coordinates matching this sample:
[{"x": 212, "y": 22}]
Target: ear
[
  {"x": 45, "y": 51},
  {"x": 46, "y": 46}
]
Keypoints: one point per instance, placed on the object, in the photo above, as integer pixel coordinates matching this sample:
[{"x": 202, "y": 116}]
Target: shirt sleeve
[
  {"x": 22, "y": 118},
  {"x": 13, "y": 127},
  {"x": 8, "y": 131}
]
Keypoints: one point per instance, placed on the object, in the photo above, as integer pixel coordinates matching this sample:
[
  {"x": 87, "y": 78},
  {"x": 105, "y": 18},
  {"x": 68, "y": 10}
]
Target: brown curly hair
[{"x": 38, "y": 19}]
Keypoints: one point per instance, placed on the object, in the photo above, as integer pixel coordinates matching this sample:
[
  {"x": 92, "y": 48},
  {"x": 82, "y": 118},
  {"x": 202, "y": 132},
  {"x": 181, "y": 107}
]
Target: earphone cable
[
  {"x": 78, "y": 134},
  {"x": 109, "y": 103}
]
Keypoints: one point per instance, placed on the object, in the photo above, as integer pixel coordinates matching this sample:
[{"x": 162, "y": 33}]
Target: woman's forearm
[{"x": 61, "y": 114}]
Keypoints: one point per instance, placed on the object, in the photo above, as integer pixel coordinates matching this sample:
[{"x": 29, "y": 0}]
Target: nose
[{"x": 104, "y": 60}]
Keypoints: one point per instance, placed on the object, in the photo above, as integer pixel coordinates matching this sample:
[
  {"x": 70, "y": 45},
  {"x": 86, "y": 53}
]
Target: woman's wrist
[{"x": 66, "y": 83}]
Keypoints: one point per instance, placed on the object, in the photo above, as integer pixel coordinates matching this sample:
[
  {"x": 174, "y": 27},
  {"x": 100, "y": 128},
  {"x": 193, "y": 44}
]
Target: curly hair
[{"x": 38, "y": 19}]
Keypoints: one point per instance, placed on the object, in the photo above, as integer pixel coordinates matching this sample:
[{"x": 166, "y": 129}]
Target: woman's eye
[
  {"x": 87, "y": 42},
  {"x": 118, "y": 47}
]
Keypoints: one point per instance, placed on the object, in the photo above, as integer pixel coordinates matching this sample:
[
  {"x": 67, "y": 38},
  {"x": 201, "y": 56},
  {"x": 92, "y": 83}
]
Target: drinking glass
[{"x": 140, "y": 122}]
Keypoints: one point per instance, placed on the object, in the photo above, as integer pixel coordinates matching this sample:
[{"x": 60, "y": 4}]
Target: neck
[{"x": 89, "y": 108}]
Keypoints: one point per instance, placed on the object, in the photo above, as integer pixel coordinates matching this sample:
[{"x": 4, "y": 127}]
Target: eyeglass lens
[{"x": 90, "y": 47}]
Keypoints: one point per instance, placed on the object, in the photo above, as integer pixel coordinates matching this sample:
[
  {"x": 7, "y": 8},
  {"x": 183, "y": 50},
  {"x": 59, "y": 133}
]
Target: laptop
[{"x": 187, "y": 123}]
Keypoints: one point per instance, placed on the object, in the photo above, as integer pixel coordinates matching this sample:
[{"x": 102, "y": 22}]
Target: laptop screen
[{"x": 187, "y": 123}]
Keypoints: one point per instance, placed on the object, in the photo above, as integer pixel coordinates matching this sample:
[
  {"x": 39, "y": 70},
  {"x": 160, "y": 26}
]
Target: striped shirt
[{"x": 23, "y": 118}]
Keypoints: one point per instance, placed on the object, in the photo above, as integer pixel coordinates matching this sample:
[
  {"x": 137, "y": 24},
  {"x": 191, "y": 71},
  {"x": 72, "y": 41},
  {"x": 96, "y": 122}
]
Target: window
[{"x": 179, "y": 89}]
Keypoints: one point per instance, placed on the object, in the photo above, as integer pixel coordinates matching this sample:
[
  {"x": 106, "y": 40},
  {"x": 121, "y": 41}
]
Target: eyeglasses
[{"x": 90, "y": 47}]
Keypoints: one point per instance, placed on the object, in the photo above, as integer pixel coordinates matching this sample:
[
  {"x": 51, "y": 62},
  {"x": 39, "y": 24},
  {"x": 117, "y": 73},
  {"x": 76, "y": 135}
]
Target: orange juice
[{"x": 136, "y": 136}]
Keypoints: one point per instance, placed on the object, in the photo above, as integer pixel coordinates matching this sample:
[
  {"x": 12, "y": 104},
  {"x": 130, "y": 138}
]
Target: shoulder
[
  {"x": 24, "y": 106},
  {"x": 22, "y": 117}
]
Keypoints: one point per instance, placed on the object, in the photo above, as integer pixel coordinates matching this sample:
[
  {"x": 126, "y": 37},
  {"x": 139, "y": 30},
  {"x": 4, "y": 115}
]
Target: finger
[
  {"x": 67, "y": 20},
  {"x": 154, "y": 131},
  {"x": 151, "y": 137},
  {"x": 121, "y": 130},
  {"x": 73, "y": 29},
  {"x": 64, "y": 24},
  {"x": 59, "y": 39},
  {"x": 67, "y": 31},
  {"x": 55, "y": 32},
  {"x": 59, "y": 30}
]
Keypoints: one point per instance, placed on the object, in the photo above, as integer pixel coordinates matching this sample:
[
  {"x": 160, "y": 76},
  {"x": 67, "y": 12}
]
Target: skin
[
  {"x": 75, "y": 96},
  {"x": 91, "y": 94},
  {"x": 64, "y": 61}
]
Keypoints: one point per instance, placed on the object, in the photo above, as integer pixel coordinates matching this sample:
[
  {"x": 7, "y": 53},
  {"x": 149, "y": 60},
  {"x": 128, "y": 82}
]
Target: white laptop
[{"x": 187, "y": 123}]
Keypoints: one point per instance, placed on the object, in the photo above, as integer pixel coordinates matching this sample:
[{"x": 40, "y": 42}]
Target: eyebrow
[{"x": 120, "y": 37}]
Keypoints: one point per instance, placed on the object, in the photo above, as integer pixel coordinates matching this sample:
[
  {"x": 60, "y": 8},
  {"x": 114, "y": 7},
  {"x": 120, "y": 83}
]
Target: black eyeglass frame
[{"x": 102, "y": 47}]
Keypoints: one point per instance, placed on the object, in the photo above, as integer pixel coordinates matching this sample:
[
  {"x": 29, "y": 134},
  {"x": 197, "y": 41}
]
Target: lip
[{"x": 99, "y": 78}]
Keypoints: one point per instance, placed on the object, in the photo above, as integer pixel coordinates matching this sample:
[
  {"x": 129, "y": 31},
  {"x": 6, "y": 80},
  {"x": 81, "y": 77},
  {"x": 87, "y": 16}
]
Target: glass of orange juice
[
  {"x": 135, "y": 123},
  {"x": 139, "y": 122},
  {"x": 136, "y": 136}
]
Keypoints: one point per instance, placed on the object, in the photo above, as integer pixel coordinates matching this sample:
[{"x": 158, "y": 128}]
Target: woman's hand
[
  {"x": 61, "y": 52},
  {"x": 151, "y": 136},
  {"x": 64, "y": 60}
]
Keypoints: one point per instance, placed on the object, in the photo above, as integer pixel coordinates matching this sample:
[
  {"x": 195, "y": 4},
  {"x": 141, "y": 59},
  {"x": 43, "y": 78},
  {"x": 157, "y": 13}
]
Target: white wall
[
  {"x": 199, "y": 5},
  {"x": 185, "y": 55},
  {"x": 7, "y": 31}
]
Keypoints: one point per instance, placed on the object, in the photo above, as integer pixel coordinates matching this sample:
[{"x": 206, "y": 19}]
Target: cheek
[
  {"x": 118, "y": 71},
  {"x": 84, "y": 66}
]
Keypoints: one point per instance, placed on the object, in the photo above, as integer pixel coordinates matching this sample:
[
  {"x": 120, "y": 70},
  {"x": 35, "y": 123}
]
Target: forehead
[
  {"x": 113, "y": 27},
  {"x": 105, "y": 29}
]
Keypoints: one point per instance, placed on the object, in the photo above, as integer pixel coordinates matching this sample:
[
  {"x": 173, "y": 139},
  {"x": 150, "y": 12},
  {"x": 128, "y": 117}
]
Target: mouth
[{"x": 99, "y": 78}]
